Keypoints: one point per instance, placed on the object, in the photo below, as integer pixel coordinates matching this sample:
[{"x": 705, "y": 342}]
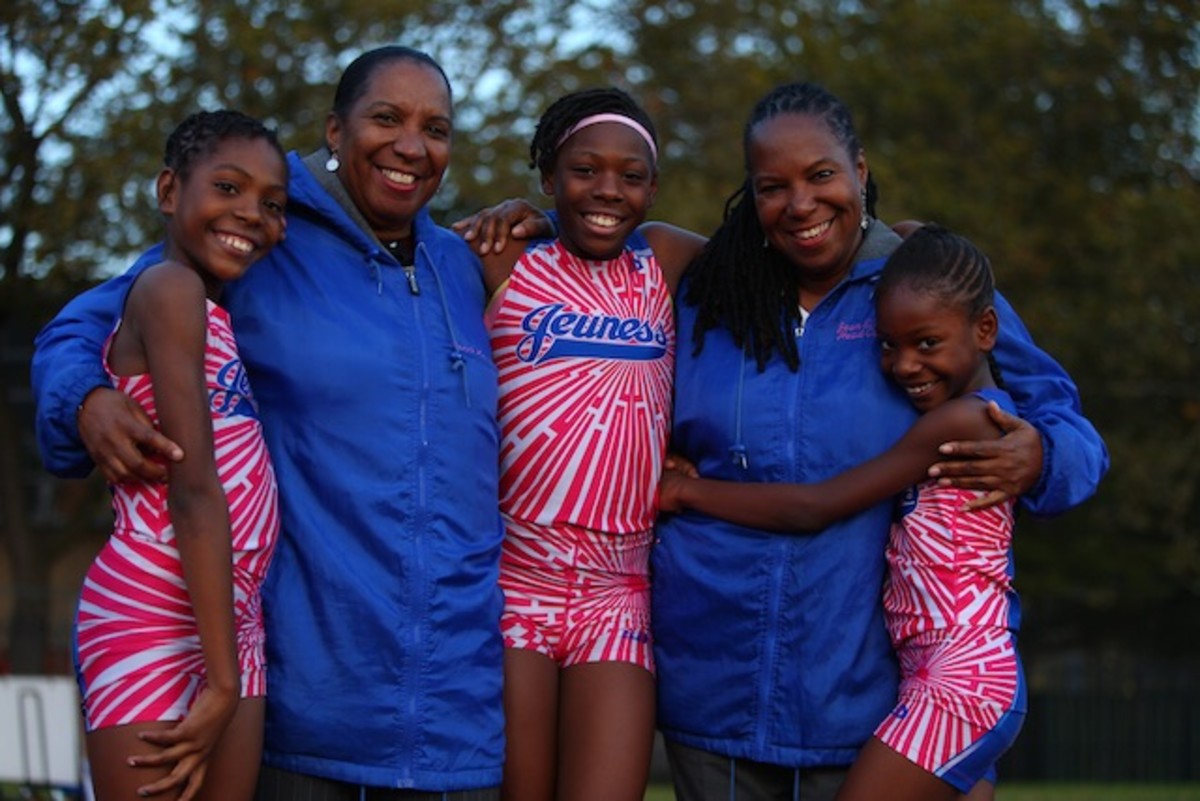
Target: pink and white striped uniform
[
  {"x": 137, "y": 650},
  {"x": 585, "y": 352},
  {"x": 951, "y": 614}
]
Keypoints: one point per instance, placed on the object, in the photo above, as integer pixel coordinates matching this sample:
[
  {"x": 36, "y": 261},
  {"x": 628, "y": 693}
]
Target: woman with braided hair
[
  {"x": 949, "y": 603},
  {"x": 774, "y": 662},
  {"x": 583, "y": 337}
]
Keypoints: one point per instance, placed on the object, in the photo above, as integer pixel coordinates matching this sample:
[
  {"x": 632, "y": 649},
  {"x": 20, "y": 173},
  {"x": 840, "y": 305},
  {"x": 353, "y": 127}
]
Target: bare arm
[
  {"x": 166, "y": 311},
  {"x": 812, "y": 507}
]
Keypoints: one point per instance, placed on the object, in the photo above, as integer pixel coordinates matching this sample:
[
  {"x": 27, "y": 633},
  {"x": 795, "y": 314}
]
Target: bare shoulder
[
  {"x": 673, "y": 247},
  {"x": 964, "y": 418},
  {"x": 168, "y": 282}
]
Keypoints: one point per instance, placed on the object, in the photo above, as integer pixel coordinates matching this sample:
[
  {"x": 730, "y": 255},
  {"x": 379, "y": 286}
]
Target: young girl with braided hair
[
  {"x": 168, "y": 632},
  {"x": 583, "y": 336},
  {"x": 949, "y": 604}
]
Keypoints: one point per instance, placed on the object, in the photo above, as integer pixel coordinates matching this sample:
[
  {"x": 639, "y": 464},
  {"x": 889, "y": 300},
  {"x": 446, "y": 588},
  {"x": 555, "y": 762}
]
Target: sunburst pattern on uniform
[
  {"x": 946, "y": 568},
  {"x": 138, "y": 651},
  {"x": 585, "y": 352},
  {"x": 593, "y": 608},
  {"x": 949, "y": 612},
  {"x": 954, "y": 691}
]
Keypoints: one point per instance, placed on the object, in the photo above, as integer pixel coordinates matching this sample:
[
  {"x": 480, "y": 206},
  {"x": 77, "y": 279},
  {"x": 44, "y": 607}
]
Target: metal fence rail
[{"x": 1099, "y": 736}]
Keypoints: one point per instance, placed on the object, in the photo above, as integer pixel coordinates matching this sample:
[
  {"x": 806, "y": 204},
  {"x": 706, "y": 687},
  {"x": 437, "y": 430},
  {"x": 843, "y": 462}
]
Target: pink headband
[{"x": 628, "y": 122}]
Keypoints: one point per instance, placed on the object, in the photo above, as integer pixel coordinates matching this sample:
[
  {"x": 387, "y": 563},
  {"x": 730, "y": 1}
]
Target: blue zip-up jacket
[
  {"x": 772, "y": 647},
  {"x": 378, "y": 406}
]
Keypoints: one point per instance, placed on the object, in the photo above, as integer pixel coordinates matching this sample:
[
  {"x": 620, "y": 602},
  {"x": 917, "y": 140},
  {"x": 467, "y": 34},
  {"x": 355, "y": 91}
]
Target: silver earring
[
  {"x": 766, "y": 243},
  {"x": 865, "y": 222},
  {"x": 332, "y": 163}
]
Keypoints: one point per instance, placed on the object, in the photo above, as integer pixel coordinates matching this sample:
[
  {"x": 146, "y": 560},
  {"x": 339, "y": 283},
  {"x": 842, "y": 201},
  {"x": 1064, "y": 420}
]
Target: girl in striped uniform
[
  {"x": 583, "y": 336},
  {"x": 949, "y": 603},
  {"x": 168, "y": 632}
]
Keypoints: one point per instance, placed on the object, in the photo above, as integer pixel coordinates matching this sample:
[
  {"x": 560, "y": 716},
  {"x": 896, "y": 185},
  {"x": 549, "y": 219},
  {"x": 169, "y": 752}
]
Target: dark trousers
[
  {"x": 704, "y": 776},
  {"x": 282, "y": 785}
]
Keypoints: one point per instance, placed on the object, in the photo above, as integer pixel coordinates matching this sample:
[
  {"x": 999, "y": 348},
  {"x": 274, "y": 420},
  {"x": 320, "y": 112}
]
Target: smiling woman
[
  {"x": 363, "y": 336},
  {"x": 782, "y": 384},
  {"x": 389, "y": 143}
]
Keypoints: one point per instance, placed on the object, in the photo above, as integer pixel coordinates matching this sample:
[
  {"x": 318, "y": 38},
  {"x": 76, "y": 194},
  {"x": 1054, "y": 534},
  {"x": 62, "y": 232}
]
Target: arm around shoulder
[
  {"x": 66, "y": 367},
  {"x": 1075, "y": 457}
]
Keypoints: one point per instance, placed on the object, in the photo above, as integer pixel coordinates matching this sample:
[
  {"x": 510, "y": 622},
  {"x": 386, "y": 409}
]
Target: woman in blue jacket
[
  {"x": 364, "y": 338},
  {"x": 774, "y": 663}
]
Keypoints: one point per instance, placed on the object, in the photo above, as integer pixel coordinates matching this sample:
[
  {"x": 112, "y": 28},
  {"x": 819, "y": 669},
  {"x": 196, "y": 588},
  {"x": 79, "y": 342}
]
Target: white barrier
[{"x": 41, "y": 737}]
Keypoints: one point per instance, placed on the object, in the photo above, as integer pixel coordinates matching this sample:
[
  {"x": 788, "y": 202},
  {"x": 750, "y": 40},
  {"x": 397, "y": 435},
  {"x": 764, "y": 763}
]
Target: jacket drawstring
[
  {"x": 737, "y": 451},
  {"x": 373, "y": 268},
  {"x": 732, "y": 779},
  {"x": 458, "y": 361},
  {"x": 796, "y": 785}
]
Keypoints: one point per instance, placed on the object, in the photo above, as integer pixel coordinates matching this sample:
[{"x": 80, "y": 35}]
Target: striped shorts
[
  {"x": 137, "y": 651},
  {"x": 575, "y": 595},
  {"x": 962, "y": 702}
]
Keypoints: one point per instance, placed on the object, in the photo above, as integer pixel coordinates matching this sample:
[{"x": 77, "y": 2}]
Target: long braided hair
[
  {"x": 736, "y": 282},
  {"x": 935, "y": 261},
  {"x": 570, "y": 109}
]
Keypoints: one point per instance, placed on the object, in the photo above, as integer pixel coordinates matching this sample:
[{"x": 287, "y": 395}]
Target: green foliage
[{"x": 1060, "y": 135}]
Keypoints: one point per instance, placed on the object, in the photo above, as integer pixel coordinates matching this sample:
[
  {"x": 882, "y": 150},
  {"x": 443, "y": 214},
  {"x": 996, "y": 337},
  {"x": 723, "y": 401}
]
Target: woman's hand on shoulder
[
  {"x": 1002, "y": 468},
  {"x": 489, "y": 230}
]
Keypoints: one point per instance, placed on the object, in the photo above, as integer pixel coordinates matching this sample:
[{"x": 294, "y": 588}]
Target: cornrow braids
[
  {"x": 737, "y": 282},
  {"x": 570, "y": 109},
  {"x": 201, "y": 132},
  {"x": 938, "y": 262}
]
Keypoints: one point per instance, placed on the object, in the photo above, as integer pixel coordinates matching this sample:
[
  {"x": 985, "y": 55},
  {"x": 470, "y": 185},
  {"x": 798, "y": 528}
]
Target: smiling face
[
  {"x": 394, "y": 144},
  {"x": 808, "y": 195},
  {"x": 603, "y": 183},
  {"x": 932, "y": 349},
  {"x": 227, "y": 211}
]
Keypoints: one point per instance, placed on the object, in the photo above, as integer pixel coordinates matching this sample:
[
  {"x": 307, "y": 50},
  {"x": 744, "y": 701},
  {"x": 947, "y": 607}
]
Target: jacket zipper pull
[{"x": 410, "y": 272}]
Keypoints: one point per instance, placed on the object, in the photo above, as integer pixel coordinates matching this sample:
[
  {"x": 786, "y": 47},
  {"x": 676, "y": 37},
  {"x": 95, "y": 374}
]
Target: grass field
[{"x": 1054, "y": 792}]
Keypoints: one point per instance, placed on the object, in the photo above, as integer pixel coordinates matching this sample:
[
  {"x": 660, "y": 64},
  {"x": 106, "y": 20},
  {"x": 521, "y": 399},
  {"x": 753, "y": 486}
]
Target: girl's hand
[
  {"x": 489, "y": 230},
  {"x": 188, "y": 745},
  {"x": 674, "y": 461},
  {"x": 1003, "y": 468},
  {"x": 677, "y": 472},
  {"x": 121, "y": 439}
]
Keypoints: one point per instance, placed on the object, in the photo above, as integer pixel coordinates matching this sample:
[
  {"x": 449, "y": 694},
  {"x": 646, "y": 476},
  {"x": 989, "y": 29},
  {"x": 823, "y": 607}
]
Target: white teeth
[
  {"x": 398, "y": 177},
  {"x": 919, "y": 390},
  {"x": 236, "y": 242},
  {"x": 602, "y": 220},
  {"x": 816, "y": 230}
]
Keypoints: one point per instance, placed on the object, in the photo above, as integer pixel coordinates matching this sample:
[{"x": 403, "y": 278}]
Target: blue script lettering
[{"x": 554, "y": 333}]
